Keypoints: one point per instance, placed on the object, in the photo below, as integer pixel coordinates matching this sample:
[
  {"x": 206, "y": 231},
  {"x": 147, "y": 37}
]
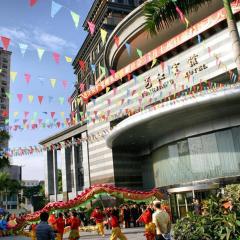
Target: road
[{"x": 131, "y": 234}]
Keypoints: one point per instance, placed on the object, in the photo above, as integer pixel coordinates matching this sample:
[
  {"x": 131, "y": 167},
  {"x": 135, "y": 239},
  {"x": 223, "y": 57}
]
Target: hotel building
[{"x": 167, "y": 119}]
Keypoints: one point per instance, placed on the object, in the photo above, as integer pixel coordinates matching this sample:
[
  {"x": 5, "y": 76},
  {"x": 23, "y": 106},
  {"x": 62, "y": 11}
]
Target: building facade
[
  {"x": 169, "y": 118},
  {"x": 5, "y": 63}
]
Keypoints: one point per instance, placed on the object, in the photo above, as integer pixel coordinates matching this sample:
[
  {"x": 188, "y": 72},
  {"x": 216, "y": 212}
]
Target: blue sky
[{"x": 35, "y": 27}]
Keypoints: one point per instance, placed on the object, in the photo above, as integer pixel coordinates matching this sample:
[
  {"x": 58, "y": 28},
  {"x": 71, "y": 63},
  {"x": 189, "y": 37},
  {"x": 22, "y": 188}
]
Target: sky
[{"x": 35, "y": 27}]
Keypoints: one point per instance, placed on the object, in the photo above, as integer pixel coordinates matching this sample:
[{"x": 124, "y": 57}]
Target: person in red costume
[
  {"x": 75, "y": 224},
  {"x": 98, "y": 216},
  {"x": 116, "y": 230},
  {"x": 60, "y": 223},
  {"x": 146, "y": 218}
]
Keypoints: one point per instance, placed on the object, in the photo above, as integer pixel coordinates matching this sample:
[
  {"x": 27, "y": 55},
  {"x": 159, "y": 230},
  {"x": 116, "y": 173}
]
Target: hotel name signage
[{"x": 161, "y": 80}]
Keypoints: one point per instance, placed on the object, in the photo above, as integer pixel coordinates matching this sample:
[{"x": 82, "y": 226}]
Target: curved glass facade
[{"x": 202, "y": 157}]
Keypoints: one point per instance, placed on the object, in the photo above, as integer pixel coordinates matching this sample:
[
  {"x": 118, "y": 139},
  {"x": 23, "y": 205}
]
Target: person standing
[
  {"x": 162, "y": 221},
  {"x": 146, "y": 218},
  {"x": 43, "y": 230},
  {"x": 197, "y": 206},
  {"x": 60, "y": 224},
  {"x": 98, "y": 216},
  {"x": 74, "y": 227},
  {"x": 116, "y": 230}
]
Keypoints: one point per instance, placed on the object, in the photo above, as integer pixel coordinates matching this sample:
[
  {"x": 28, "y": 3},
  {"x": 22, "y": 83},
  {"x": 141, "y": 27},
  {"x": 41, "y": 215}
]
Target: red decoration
[
  {"x": 82, "y": 65},
  {"x": 116, "y": 40},
  {"x": 5, "y": 42},
  {"x": 40, "y": 99},
  {"x": 32, "y": 2},
  {"x": 52, "y": 114},
  {"x": 56, "y": 57}
]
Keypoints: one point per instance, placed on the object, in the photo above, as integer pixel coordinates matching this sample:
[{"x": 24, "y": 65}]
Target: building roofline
[{"x": 60, "y": 134}]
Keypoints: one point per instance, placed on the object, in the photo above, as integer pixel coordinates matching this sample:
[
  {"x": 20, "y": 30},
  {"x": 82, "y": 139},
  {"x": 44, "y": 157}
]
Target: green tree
[
  {"x": 160, "y": 13},
  {"x": 4, "y": 161}
]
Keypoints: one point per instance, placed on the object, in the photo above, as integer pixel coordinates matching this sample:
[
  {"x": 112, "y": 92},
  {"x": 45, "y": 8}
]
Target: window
[{"x": 131, "y": 2}]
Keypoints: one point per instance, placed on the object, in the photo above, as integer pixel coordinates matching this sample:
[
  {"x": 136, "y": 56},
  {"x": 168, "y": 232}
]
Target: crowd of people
[{"x": 156, "y": 219}]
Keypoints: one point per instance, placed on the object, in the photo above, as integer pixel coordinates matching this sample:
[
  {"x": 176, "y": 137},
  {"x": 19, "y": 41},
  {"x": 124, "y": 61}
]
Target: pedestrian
[
  {"x": 75, "y": 223},
  {"x": 162, "y": 222},
  {"x": 135, "y": 215},
  {"x": 98, "y": 216},
  {"x": 127, "y": 216},
  {"x": 146, "y": 218},
  {"x": 116, "y": 230},
  {"x": 43, "y": 230},
  {"x": 60, "y": 224},
  {"x": 197, "y": 206}
]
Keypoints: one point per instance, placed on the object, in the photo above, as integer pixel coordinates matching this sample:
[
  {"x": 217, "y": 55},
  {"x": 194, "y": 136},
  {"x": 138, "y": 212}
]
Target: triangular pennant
[
  {"x": 154, "y": 62},
  {"x": 40, "y": 52},
  {"x": 27, "y": 77},
  {"x": 64, "y": 83},
  {"x": 9, "y": 95},
  {"x": 30, "y": 98},
  {"x": 15, "y": 114},
  {"x": 103, "y": 35},
  {"x": 61, "y": 100},
  {"x": 52, "y": 114},
  {"x": 50, "y": 99},
  {"x": 56, "y": 57},
  {"x": 40, "y": 99},
  {"x": 0, "y": 70},
  {"x": 112, "y": 71},
  {"x": 75, "y": 18},
  {"x": 23, "y": 47},
  {"x": 53, "y": 82},
  {"x": 91, "y": 26},
  {"x": 5, "y": 42},
  {"x": 116, "y": 40},
  {"x": 55, "y": 8},
  {"x": 32, "y": 2},
  {"x": 68, "y": 59},
  {"x": 82, "y": 64},
  {"x": 62, "y": 114},
  {"x": 35, "y": 114},
  {"x": 13, "y": 76},
  {"x": 139, "y": 52},
  {"x": 20, "y": 97},
  {"x": 128, "y": 46},
  {"x": 93, "y": 67},
  {"x": 103, "y": 70},
  {"x": 40, "y": 121},
  {"x": 26, "y": 114}
]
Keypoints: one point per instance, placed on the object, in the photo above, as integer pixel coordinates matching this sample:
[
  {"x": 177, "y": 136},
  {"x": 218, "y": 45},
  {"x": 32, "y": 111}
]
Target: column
[
  {"x": 66, "y": 172},
  {"x": 74, "y": 170},
  {"x": 55, "y": 175},
  {"x": 85, "y": 161},
  {"x": 49, "y": 180}
]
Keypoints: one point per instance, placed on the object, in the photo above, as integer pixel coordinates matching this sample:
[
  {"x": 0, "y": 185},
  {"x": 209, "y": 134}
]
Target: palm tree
[{"x": 160, "y": 13}]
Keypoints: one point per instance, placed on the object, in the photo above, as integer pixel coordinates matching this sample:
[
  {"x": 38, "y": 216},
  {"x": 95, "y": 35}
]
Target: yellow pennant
[
  {"x": 30, "y": 98},
  {"x": 13, "y": 76},
  {"x": 103, "y": 35},
  {"x": 62, "y": 114},
  {"x": 154, "y": 62},
  {"x": 15, "y": 114},
  {"x": 53, "y": 82},
  {"x": 68, "y": 59}
]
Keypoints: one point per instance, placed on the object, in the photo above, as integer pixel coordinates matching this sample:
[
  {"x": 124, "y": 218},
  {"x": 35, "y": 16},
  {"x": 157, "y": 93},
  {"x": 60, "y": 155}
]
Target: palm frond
[{"x": 160, "y": 14}]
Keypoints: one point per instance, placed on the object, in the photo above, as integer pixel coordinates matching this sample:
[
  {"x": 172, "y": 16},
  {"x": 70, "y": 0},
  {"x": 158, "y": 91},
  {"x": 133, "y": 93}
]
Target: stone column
[
  {"x": 55, "y": 174},
  {"x": 49, "y": 180},
  {"x": 85, "y": 161},
  {"x": 66, "y": 172},
  {"x": 74, "y": 170}
]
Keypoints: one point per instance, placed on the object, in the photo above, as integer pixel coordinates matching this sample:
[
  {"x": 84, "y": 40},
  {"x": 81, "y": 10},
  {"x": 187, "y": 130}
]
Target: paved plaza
[{"x": 131, "y": 234}]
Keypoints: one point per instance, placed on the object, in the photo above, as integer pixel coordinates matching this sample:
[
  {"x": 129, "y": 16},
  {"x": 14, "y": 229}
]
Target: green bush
[{"x": 221, "y": 219}]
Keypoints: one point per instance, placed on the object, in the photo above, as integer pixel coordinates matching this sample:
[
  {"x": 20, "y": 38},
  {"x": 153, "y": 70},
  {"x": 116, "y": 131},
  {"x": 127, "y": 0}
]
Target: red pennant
[
  {"x": 116, "y": 40},
  {"x": 26, "y": 114},
  {"x": 52, "y": 114},
  {"x": 19, "y": 97},
  {"x": 58, "y": 124},
  {"x": 64, "y": 83},
  {"x": 5, "y": 42},
  {"x": 82, "y": 87},
  {"x": 112, "y": 71},
  {"x": 129, "y": 77},
  {"x": 40, "y": 121},
  {"x": 27, "y": 77},
  {"x": 40, "y": 99},
  {"x": 32, "y": 2},
  {"x": 82, "y": 64},
  {"x": 5, "y": 113},
  {"x": 56, "y": 57}
]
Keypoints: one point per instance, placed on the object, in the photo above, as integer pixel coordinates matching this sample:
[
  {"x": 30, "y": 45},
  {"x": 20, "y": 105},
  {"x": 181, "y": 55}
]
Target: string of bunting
[{"x": 101, "y": 134}]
